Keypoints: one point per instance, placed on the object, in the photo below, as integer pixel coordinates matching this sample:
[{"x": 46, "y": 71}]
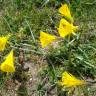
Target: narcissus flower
[
  {"x": 68, "y": 80},
  {"x": 65, "y": 11},
  {"x": 8, "y": 64},
  {"x": 46, "y": 39},
  {"x": 3, "y": 41},
  {"x": 65, "y": 28}
]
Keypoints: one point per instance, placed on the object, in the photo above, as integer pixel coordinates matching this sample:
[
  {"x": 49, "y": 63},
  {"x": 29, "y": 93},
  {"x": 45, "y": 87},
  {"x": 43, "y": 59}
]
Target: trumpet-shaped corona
[
  {"x": 68, "y": 80},
  {"x": 64, "y": 10},
  {"x": 65, "y": 28},
  {"x": 8, "y": 64},
  {"x": 46, "y": 39},
  {"x": 3, "y": 41}
]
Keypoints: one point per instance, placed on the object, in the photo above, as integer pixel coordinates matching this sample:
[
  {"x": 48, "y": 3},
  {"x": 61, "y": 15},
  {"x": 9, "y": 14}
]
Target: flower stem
[{"x": 69, "y": 57}]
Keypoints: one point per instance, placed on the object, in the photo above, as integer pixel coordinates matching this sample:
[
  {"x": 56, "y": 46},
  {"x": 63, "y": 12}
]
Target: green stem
[{"x": 69, "y": 57}]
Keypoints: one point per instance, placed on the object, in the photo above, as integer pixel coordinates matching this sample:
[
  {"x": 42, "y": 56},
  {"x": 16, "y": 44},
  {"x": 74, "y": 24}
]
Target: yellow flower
[
  {"x": 65, "y": 28},
  {"x": 3, "y": 41},
  {"x": 46, "y": 39},
  {"x": 64, "y": 10},
  {"x": 8, "y": 64},
  {"x": 68, "y": 80}
]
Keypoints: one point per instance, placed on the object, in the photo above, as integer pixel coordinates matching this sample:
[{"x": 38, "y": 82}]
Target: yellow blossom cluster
[
  {"x": 65, "y": 27},
  {"x": 8, "y": 64}
]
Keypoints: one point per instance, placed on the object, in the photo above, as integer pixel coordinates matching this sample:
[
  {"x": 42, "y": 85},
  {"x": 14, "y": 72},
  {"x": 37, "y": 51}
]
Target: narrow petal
[
  {"x": 8, "y": 64},
  {"x": 68, "y": 80},
  {"x": 65, "y": 11},
  {"x": 46, "y": 39},
  {"x": 65, "y": 28},
  {"x": 3, "y": 41}
]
